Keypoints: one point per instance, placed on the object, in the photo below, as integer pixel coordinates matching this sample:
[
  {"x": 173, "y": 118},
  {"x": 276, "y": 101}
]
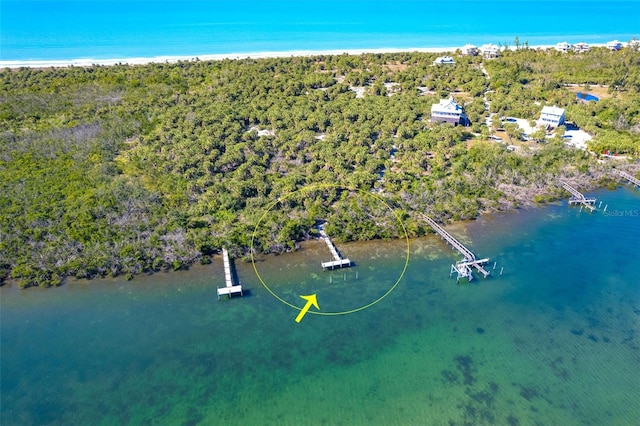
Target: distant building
[
  {"x": 614, "y": 45},
  {"x": 469, "y": 49},
  {"x": 551, "y": 116},
  {"x": 448, "y": 111},
  {"x": 563, "y": 47},
  {"x": 634, "y": 43},
  {"x": 444, "y": 60},
  {"x": 490, "y": 50},
  {"x": 581, "y": 47}
]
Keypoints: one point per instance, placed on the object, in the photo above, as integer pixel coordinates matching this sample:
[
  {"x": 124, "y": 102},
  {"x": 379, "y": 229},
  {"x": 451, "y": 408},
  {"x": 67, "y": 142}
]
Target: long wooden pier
[
  {"x": 462, "y": 267},
  {"x": 230, "y": 288},
  {"x": 338, "y": 261},
  {"x": 577, "y": 197},
  {"x": 627, "y": 177}
]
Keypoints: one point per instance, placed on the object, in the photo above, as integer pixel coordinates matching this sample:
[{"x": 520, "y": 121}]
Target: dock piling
[
  {"x": 628, "y": 177},
  {"x": 229, "y": 287},
  {"x": 337, "y": 261},
  {"x": 462, "y": 267},
  {"x": 577, "y": 197}
]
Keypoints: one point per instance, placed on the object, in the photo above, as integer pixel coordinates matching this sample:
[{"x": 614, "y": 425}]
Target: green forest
[{"x": 129, "y": 169}]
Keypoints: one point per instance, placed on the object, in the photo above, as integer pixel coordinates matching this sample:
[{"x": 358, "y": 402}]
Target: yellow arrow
[{"x": 311, "y": 300}]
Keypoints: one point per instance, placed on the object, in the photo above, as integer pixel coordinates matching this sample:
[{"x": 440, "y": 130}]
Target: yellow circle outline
[{"x": 324, "y": 186}]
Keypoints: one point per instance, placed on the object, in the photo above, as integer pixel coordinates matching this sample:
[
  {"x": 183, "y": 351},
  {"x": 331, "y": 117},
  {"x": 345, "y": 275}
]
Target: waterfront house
[
  {"x": 469, "y": 49},
  {"x": 448, "y": 111},
  {"x": 563, "y": 47},
  {"x": 614, "y": 45},
  {"x": 551, "y": 116},
  {"x": 581, "y": 47},
  {"x": 444, "y": 60},
  {"x": 490, "y": 50}
]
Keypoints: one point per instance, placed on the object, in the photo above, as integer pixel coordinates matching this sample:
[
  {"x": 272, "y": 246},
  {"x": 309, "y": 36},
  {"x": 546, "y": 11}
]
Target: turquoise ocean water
[
  {"x": 107, "y": 29},
  {"x": 553, "y": 341}
]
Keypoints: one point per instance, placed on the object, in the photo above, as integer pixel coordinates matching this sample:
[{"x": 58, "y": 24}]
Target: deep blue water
[{"x": 107, "y": 29}]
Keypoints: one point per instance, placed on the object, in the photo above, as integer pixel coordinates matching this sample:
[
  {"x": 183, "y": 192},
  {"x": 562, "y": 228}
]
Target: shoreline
[
  {"x": 505, "y": 209},
  {"x": 88, "y": 62}
]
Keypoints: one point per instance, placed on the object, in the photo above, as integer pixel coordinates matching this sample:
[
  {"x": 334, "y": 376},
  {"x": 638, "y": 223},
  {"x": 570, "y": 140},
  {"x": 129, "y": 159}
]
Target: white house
[
  {"x": 634, "y": 43},
  {"x": 444, "y": 60},
  {"x": 490, "y": 50},
  {"x": 563, "y": 47},
  {"x": 581, "y": 47},
  {"x": 551, "y": 116},
  {"x": 614, "y": 45},
  {"x": 448, "y": 111},
  {"x": 469, "y": 49}
]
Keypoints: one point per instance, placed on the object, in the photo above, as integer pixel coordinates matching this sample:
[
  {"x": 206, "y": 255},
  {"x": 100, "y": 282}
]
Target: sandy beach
[{"x": 87, "y": 62}]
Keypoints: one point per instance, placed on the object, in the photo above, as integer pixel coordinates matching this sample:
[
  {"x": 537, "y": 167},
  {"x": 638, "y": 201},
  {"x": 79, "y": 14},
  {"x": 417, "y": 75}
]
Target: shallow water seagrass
[{"x": 552, "y": 341}]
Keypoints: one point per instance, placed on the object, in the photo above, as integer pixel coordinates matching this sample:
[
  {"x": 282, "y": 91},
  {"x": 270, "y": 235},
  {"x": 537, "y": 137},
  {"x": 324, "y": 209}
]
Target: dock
[
  {"x": 338, "y": 261},
  {"x": 577, "y": 197},
  {"x": 463, "y": 267},
  {"x": 628, "y": 177},
  {"x": 230, "y": 288}
]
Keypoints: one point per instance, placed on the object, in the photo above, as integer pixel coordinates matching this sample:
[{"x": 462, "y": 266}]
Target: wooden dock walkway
[
  {"x": 229, "y": 288},
  {"x": 577, "y": 197},
  {"x": 627, "y": 177},
  {"x": 462, "y": 267},
  {"x": 338, "y": 261}
]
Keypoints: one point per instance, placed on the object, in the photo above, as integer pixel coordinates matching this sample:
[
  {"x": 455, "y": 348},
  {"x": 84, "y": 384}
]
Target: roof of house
[
  {"x": 448, "y": 105},
  {"x": 615, "y": 44},
  {"x": 552, "y": 110},
  {"x": 444, "y": 60}
]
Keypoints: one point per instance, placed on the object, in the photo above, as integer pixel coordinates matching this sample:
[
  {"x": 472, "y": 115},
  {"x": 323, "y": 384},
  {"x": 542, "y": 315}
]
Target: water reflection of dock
[
  {"x": 338, "y": 261},
  {"x": 462, "y": 267},
  {"x": 229, "y": 287}
]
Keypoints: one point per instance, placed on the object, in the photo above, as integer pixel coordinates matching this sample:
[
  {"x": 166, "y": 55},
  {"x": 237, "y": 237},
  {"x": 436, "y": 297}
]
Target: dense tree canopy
[{"x": 125, "y": 169}]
